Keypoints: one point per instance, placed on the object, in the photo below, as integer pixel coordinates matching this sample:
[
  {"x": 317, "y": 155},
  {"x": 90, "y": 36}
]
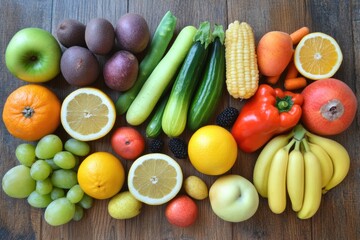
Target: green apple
[
  {"x": 233, "y": 198},
  {"x": 33, "y": 55}
]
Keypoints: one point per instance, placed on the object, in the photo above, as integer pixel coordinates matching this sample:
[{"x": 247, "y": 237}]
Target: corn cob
[{"x": 242, "y": 73}]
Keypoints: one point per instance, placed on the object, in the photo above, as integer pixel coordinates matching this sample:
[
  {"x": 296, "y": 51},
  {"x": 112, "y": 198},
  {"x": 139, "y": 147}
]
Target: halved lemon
[
  {"x": 87, "y": 114},
  {"x": 318, "y": 56},
  {"x": 155, "y": 178}
]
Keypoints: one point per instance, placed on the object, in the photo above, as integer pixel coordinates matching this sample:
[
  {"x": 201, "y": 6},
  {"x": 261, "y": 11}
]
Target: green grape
[
  {"x": 86, "y": 202},
  {"x": 40, "y": 170},
  {"x": 17, "y": 182},
  {"x": 75, "y": 194},
  {"x": 77, "y": 147},
  {"x": 64, "y": 178},
  {"x": 59, "y": 212},
  {"x": 38, "y": 200},
  {"x": 44, "y": 187},
  {"x": 25, "y": 153},
  {"x": 65, "y": 160},
  {"x": 48, "y": 146},
  {"x": 57, "y": 193},
  {"x": 79, "y": 213},
  {"x": 52, "y": 164}
]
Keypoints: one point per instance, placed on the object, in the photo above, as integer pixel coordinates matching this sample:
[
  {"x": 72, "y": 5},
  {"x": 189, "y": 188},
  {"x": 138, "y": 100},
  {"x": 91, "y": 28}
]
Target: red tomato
[
  {"x": 182, "y": 211},
  {"x": 329, "y": 106},
  {"x": 128, "y": 143}
]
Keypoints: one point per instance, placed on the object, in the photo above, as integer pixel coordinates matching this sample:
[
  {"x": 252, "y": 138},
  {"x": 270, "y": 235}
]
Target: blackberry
[
  {"x": 178, "y": 147},
  {"x": 156, "y": 145},
  {"x": 227, "y": 117}
]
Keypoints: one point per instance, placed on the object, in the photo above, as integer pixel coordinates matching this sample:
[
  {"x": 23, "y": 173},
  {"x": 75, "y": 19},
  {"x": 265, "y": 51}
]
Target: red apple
[
  {"x": 128, "y": 143},
  {"x": 182, "y": 211},
  {"x": 329, "y": 106}
]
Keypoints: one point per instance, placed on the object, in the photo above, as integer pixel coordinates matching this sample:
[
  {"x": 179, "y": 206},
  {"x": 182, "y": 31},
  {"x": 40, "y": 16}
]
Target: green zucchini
[
  {"x": 176, "y": 109},
  {"x": 154, "y": 128},
  {"x": 208, "y": 94},
  {"x": 159, "y": 43},
  {"x": 160, "y": 78}
]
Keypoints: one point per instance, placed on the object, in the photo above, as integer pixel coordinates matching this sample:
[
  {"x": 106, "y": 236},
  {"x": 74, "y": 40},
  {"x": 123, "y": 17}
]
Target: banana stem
[
  {"x": 290, "y": 144},
  {"x": 306, "y": 144},
  {"x": 299, "y": 132},
  {"x": 297, "y": 145}
]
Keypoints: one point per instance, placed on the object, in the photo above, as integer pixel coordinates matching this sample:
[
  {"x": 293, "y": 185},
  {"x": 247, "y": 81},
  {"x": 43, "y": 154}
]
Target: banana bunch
[{"x": 299, "y": 166}]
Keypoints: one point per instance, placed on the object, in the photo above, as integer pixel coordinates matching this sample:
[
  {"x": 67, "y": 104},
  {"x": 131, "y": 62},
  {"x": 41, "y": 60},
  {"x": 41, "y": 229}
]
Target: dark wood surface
[{"x": 339, "y": 214}]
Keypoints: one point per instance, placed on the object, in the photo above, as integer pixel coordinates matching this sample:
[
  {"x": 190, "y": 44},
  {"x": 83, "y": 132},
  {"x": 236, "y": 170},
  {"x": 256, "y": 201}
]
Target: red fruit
[
  {"x": 329, "y": 106},
  {"x": 128, "y": 143},
  {"x": 182, "y": 211}
]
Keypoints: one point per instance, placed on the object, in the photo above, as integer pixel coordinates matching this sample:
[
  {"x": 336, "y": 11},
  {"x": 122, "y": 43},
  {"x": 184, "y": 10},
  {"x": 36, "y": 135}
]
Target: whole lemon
[
  {"x": 196, "y": 188},
  {"x": 124, "y": 206},
  {"x": 212, "y": 150}
]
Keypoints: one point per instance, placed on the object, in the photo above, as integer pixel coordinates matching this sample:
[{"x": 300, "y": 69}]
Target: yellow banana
[
  {"x": 295, "y": 178},
  {"x": 277, "y": 180},
  {"x": 313, "y": 190},
  {"x": 327, "y": 168},
  {"x": 339, "y": 157},
  {"x": 263, "y": 162}
]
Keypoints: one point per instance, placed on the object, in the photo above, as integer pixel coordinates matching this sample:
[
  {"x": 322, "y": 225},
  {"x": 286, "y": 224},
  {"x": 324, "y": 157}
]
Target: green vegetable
[
  {"x": 156, "y": 51},
  {"x": 208, "y": 94},
  {"x": 160, "y": 78},
  {"x": 175, "y": 113},
  {"x": 154, "y": 128}
]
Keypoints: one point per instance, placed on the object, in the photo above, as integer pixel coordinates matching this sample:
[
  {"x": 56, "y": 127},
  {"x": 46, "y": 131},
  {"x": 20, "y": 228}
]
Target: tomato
[
  {"x": 128, "y": 143},
  {"x": 329, "y": 106}
]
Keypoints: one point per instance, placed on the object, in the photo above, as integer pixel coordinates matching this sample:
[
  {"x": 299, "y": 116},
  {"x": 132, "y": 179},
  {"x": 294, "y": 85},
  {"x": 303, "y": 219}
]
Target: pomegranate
[{"x": 329, "y": 106}]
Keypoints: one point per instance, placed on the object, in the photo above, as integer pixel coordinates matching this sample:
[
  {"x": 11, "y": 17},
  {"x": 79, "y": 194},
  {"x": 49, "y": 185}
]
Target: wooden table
[{"x": 338, "y": 216}]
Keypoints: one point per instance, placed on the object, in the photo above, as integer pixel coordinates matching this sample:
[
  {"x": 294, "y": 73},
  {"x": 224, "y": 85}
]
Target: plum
[
  {"x": 121, "y": 70},
  {"x": 132, "y": 33}
]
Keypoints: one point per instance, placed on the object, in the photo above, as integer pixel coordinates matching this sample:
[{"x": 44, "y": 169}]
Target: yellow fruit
[
  {"x": 196, "y": 188},
  {"x": 101, "y": 175},
  {"x": 155, "y": 178},
  {"x": 124, "y": 206},
  {"x": 212, "y": 150},
  {"x": 87, "y": 114},
  {"x": 317, "y": 56}
]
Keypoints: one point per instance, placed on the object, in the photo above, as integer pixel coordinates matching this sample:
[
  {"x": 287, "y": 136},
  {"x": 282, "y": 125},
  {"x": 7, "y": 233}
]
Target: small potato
[{"x": 196, "y": 188}]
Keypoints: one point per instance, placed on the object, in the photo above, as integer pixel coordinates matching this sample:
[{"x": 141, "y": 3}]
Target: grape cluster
[{"x": 47, "y": 177}]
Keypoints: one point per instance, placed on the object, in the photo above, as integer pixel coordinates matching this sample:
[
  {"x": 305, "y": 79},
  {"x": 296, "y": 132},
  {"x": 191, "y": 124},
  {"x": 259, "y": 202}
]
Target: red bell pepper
[{"x": 268, "y": 113}]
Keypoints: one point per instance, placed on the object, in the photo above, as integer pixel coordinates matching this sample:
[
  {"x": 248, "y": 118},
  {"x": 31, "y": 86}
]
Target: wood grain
[{"x": 338, "y": 216}]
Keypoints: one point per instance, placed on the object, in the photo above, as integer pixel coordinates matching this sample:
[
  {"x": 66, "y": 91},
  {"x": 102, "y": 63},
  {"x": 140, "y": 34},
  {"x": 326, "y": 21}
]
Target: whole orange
[
  {"x": 31, "y": 112},
  {"x": 128, "y": 143},
  {"x": 101, "y": 175},
  {"x": 212, "y": 150}
]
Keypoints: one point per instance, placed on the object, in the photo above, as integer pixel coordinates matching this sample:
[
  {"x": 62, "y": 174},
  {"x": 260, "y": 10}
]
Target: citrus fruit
[
  {"x": 155, "y": 178},
  {"x": 124, "y": 206},
  {"x": 31, "y": 112},
  {"x": 196, "y": 188},
  {"x": 212, "y": 150},
  {"x": 101, "y": 175},
  {"x": 128, "y": 142},
  {"x": 87, "y": 114},
  {"x": 317, "y": 56}
]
